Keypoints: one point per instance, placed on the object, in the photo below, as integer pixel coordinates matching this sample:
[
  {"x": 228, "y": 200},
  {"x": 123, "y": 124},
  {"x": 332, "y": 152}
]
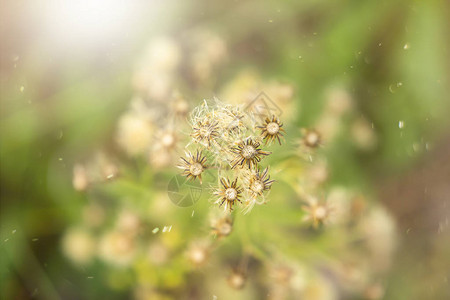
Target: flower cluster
[
  {"x": 229, "y": 141},
  {"x": 230, "y": 149}
]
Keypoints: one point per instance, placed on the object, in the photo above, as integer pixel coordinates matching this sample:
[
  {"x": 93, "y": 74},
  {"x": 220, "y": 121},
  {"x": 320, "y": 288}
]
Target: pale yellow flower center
[
  {"x": 320, "y": 212},
  {"x": 196, "y": 169},
  {"x": 272, "y": 128},
  {"x": 205, "y": 131},
  {"x": 168, "y": 140},
  {"x": 248, "y": 151},
  {"x": 224, "y": 229},
  {"x": 257, "y": 186},
  {"x": 197, "y": 255},
  {"x": 312, "y": 138},
  {"x": 236, "y": 281},
  {"x": 230, "y": 194}
]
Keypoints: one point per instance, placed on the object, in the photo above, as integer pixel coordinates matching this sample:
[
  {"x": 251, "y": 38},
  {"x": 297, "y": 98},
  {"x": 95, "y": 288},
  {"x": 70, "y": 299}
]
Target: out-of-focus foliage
[{"x": 386, "y": 64}]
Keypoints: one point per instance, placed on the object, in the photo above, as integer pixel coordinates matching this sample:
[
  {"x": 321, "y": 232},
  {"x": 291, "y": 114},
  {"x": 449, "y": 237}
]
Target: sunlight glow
[{"x": 91, "y": 21}]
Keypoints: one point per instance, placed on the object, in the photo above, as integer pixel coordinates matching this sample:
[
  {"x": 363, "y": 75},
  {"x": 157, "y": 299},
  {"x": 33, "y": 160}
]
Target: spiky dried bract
[
  {"x": 193, "y": 166},
  {"x": 229, "y": 193},
  {"x": 247, "y": 153},
  {"x": 272, "y": 129},
  {"x": 259, "y": 183}
]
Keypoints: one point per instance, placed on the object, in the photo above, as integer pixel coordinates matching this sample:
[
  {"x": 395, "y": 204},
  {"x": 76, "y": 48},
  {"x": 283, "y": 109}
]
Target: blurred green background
[{"x": 65, "y": 75}]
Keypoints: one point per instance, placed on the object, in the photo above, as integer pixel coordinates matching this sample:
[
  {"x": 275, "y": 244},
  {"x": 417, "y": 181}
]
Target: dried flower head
[
  {"x": 222, "y": 227},
  {"x": 117, "y": 248},
  {"x": 229, "y": 193},
  {"x": 79, "y": 245},
  {"x": 272, "y": 129},
  {"x": 135, "y": 133},
  {"x": 247, "y": 153},
  {"x": 193, "y": 166},
  {"x": 179, "y": 105},
  {"x": 198, "y": 253},
  {"x": 205, "y": 132},
  {"x": 311, "y": 138},
  {"x": 317, "y": 213},
  {"x": 236, "y": 280},
  {"x": 167, "y": 138},
  {"x": 282, "y": 275},
  {"x": 259, "y": 182}
]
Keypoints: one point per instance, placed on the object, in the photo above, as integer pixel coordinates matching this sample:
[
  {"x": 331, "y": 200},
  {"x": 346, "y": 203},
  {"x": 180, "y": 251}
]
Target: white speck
[
  {"x": 14, "y": 231},
  {"x": 270, "y": 21},
  {"x": 408, "y": 230},
  {"x": 90, "y": 277},
  {"x": 379, "y": 45},
  {"x": 35, "y": 240},
  {"x": 60, "y": 159},
  {"x": 167, "y": 228},
  {"x": 155, "y": 230},
  {"x": 406, "y": 46},
  {"x": 110, "y": 176},
  {"x": 22, "y": 88},
  {"x": 193, "y": 212},
  {"x": 391, "y": 89},
  {"x": 399, "y": 84},
  {"x": 6, "y": 240},
  {"x": 214, "y": 297},
  {"x": 401, "y": 124}
]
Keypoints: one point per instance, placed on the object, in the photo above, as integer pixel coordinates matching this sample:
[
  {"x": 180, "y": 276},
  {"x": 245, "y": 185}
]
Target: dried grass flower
[
  {"x": 311, "y": 138},
  {"x": 272, "y": 129},
  {"x": 222, "y": 227},
  {"x": 193, "y": 166},
  {"x": 247, "y": 153},
  {"x": 229, "y": 193},
  {"x": 318, "y": 213},
  {"x": 237, "y": 279},
  {"x": 259, "y": 182},
  {"x": 205, "y": 132}
]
